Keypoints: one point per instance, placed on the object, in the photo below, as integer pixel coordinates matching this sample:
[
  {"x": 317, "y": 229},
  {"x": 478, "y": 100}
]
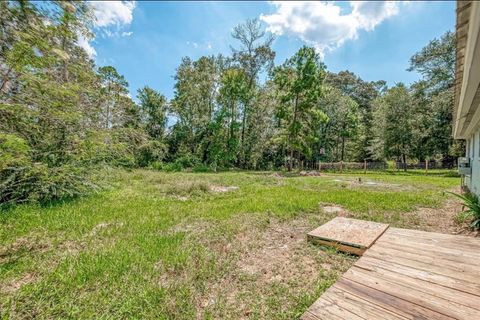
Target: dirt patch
[
  {"x": 310, "y": 173},
  {"x": 362, "y": 182},
  {"x": 220, "y": 189},
  {"x": 443, "y": 219},
  {"x": 276, "y": 175},
  {"x": 182, "y": 198},
  {"x": 277, "y": 250},
  {"x": 333, "y": 209},
  {"x": 70, "y": 247},
  {"x": 104, "y": 226},
  {"x": 269, "y": 257},
  {"x": 18, "y": 283},
  {"x": 33, "y": 244}
]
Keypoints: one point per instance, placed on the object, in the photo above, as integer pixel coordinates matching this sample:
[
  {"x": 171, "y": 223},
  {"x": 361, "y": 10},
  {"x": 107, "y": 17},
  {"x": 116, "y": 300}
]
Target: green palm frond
[{"x": 472, "y": 204}]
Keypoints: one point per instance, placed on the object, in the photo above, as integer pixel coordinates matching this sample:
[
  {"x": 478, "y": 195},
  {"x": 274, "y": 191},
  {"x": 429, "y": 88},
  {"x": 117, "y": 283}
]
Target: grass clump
[{"x": 188, "y": 188}]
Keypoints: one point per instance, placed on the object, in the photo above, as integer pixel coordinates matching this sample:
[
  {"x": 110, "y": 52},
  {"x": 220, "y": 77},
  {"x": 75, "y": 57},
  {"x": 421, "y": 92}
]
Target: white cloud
[
  {"x": 117, "y": 14},
  {"x": 109, "y": 13},
  {"x": 204, "y": 45},
  {"x": 85, "y": 44},
  {"x": 323, "y": 25}
]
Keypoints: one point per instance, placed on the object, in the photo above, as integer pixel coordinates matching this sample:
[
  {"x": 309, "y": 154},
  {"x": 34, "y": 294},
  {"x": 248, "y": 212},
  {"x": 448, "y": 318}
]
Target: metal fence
[
  {"x": 371, "y": 166},
  {"x": 341, "y": 166},
  {"x": 426, "y": 165}
]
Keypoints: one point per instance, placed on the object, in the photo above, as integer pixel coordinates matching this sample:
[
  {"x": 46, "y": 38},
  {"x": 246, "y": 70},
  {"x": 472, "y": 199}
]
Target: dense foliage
[{"x": 61, "y": 116}]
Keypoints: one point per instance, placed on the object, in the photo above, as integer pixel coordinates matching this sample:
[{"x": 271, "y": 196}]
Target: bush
[
  {"x": 157, "y": 165},
  {"x": 186, "y": 162},
  {"x": 472, "y": 203},
  {"x": 39, "y": 183},
  {"x": 171, "y": 167},
  {"x": 22, "y": 180},
  {"x": 201, "y": 168}
]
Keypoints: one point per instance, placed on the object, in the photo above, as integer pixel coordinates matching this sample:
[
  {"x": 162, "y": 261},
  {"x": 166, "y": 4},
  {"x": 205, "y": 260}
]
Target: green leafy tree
[
  {"x": 342, "y": 125},
  {"x": 436, "y": 62},
  {"x": 193, "y": 105},
  {"x": 434, "y": 99},
  {"x": 394, "y": 123},
  {"x": 363, "y": 93},
  {"x": 153, "y": 106},
  {"x": 300, "y": 85},
  {"x": 114, "y": 89},
  {"x": 233, "y": 97},
  {"x": 253, "y": 56}
]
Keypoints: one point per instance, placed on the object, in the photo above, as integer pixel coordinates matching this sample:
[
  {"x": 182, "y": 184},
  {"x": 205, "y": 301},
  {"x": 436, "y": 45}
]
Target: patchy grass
[{"x": 195, "y": 245}]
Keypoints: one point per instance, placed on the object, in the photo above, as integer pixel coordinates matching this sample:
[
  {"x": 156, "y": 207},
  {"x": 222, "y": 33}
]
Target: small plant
[{"x": 472, "y": 203}]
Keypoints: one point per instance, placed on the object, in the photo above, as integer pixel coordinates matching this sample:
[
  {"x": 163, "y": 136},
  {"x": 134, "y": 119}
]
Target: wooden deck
[{"x": 407, "y": 274}]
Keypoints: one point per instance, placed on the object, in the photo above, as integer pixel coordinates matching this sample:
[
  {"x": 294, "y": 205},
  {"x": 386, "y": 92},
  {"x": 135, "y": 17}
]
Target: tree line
[{"x": 61, "y": 116}]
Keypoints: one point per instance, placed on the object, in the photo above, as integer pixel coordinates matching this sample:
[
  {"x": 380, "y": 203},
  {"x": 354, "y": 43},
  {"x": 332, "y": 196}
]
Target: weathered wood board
[
  {"x": 348, "y": 235},
  {"x": 407, "y": 274}
]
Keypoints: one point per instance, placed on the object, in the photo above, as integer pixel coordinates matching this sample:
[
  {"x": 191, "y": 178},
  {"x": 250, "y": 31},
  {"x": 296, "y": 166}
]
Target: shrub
[
  {"x": 472, "y": 203},
  {"x": 171, "y": 167},
  {"x": 157, "y": 165},
  {"x": 40, "y": 183},
  {"x": 186, "y": 162},
  {"x": 22, "y": 180},
  {"x": 201, "y": 168}
]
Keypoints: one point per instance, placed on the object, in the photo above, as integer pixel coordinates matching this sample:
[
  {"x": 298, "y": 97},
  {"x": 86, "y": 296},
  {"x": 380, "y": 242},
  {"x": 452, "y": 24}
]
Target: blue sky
[{"x": 146, "y": 40}]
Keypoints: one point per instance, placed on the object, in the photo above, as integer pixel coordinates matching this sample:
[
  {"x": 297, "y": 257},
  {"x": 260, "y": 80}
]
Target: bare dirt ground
[
  {"x": 265, "y": 256},
  {"x": 443, "y": 219}
]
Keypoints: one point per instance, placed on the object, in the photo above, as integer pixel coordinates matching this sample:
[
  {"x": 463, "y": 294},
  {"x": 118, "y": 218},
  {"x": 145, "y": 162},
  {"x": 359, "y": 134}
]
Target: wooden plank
[
  {"x": 337, "y": 245},
  {"x": 389, "y": 302},
  {"x": 434, "y": 252},
  {"x": 471, "y": 243},
  {"x": 410, "y": 293},
  {"x": 358, "y": 306},
  {"x": 414, "y": 283},
  {"x": 446, "y": 281},
  {"x": 421, "y": 263},
  {"x": 436, "y": 261},
  {"x": 324, "y": 309},
  {"x": 439, "y": 244},
  {"x": 344, "y": 233},
  {"x": 319, "y": 315}
]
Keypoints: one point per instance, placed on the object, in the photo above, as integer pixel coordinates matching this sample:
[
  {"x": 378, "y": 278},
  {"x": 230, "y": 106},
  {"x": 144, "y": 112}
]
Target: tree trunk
[
  {"x": 5, "y": 78},
  {"x": 404, "y": 162},
  {"x": 291, "y": 133}
]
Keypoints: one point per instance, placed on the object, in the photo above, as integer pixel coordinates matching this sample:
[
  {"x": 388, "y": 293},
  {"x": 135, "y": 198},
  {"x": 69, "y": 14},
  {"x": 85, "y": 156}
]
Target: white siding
[{"x": 473, "y": 151}]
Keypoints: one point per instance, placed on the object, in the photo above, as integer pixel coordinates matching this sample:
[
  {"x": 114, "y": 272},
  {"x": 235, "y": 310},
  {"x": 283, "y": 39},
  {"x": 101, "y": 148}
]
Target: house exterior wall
[
  {"x": 473, "y": 152},
  {"x": 466, "y": 115}
]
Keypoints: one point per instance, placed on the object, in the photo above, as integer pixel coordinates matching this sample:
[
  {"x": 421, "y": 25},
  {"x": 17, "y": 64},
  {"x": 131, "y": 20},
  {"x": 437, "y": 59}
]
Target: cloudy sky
[{"x": 146, "y": 40}]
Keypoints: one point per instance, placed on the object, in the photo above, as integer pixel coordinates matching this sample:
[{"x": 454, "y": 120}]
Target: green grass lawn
[{"x": 164, "y": 245}]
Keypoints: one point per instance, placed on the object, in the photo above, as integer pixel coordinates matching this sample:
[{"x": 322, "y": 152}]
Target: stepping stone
[{"x": 348, "y": 235}]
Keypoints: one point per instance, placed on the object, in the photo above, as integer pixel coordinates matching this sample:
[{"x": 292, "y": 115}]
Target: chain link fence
[{"x": 372, "y": 166}]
